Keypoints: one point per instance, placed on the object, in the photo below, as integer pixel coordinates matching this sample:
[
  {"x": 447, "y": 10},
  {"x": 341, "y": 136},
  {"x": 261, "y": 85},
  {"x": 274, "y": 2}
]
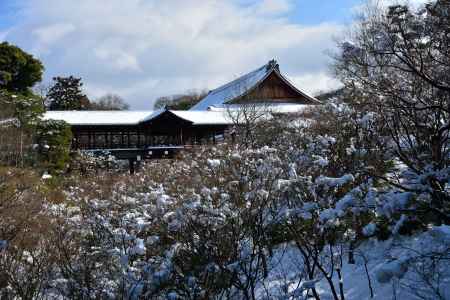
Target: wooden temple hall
[
  {"x": 150, "y": 134},
  {"x": 126, "y": 133}
]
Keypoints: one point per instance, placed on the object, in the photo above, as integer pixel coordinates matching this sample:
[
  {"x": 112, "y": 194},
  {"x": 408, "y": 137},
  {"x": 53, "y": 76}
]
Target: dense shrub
[
  {"x": 220, "y": 222},
  {"x": 18, "y": 119},
  {"x": 54, "y": 140}
]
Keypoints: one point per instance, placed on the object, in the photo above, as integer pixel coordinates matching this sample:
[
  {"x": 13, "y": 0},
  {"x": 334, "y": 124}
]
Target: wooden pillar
[
  {"x": 131, "y": 165},
  {"x": 181, "y": 136},
  {"x": 121, "y": 140},
  {"x": 111, "y": 139},
  {"x": 75, "y": 142},
  {"x": 94, "y": 140},
  {"x": 138, "y": 164},
  {"x": 128, "y": 139},
  {"x": 138, "y": 139},
  {"x": 148, "y": 134}
]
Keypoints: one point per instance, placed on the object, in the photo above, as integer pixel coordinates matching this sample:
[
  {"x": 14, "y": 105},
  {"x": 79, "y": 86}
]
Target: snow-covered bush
[
  {"x": 223, "y": 221},
  {"x": 346, "y": 200},
  {"x": 394, "y": 64},
  {"x": 84, "y": 163}
]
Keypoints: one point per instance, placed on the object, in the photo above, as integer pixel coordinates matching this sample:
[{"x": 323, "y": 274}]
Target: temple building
[
  {"x": 265, "y": 85},
  {"x": 148, "y": 134}
]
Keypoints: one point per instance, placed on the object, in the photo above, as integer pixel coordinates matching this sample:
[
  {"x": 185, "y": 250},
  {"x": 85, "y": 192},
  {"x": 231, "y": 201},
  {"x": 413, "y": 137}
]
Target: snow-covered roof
[
  {"x": 91, "y": 117},
  {"x": 196, "y": 117},
  {"x": 280, "y": 108},
  {"x": 135, "y": 117},
  {"x": 204, "y": 117},
  {"x": 232, "y": 89},
  {"x": 215, "y": 115},
  {"x": 243, "y": 85}
]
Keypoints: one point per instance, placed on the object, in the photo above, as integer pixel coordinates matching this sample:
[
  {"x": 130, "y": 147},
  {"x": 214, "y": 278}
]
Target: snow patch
[
  {"x": 369, "y": 229},
  {"x": 139, "y": 247}
]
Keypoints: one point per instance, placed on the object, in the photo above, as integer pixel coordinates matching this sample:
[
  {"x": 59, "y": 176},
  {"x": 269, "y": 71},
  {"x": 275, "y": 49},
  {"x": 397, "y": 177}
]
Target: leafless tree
[
  {"x": 181, "y": 101},
  {"x": 247, "y": 114},
  {"x": 397, "y": 61},
  {"x": 41, "y": 90},
  {"x": 109, "y": 102}
]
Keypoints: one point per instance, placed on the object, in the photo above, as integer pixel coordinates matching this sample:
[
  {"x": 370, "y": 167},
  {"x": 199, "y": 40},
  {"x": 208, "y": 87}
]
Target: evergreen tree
[
  {"x": 66, "y": 94},
  {"x": 19, "y": 71}
]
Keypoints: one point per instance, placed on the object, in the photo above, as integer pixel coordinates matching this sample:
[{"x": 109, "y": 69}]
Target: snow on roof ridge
[
  {"x": 232, "y": 89},
  {"x": 241, "y": 78},
  {"x": 153, "y": 114}
]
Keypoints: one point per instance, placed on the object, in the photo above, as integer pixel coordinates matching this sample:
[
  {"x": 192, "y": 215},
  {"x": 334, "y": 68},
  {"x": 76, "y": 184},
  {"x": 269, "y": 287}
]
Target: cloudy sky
[{"x": 143, "y": 49}]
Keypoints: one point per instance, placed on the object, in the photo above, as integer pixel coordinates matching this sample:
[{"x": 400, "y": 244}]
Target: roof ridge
[
  {"x": 220, "y": 88},
  {"x": 245, "y": 84}
]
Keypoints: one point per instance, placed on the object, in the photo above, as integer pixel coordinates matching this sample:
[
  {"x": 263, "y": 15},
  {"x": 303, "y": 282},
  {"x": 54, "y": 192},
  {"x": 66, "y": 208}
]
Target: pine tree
[{"x": 66, "y": 94}]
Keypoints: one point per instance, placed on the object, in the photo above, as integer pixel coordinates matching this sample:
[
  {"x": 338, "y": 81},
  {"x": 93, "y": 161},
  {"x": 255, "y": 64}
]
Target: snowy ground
[{"x": 389, "y": 265}]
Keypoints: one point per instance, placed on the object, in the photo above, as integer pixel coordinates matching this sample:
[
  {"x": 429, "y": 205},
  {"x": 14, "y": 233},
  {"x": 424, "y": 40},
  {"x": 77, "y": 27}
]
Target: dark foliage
[
  {"x": 54, "y": 138},
  {"x": 109, "y": 102},
  {"x": 66, "y": 94},
  {"x": 180, "y": 102},
  {"x": 19, "y": 71}
]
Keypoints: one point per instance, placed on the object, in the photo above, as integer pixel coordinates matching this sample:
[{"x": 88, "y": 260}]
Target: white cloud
[
  {"x": 274, "y": 7},
  {"x": 48, "y": 35},
  {"x": 145, "y": 49},
  {"x": 52, "y": 33},
  {"x": 315, "y": 83},
  {"x": 116, "y": 59},
  {"x": 3, "y": 35}
]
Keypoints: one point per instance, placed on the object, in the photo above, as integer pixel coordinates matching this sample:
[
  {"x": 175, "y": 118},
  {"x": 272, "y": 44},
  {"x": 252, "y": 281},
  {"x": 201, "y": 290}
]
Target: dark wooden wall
[
  {"x": 275, "y": 89},
  {"x": 144, "y": 135}
]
